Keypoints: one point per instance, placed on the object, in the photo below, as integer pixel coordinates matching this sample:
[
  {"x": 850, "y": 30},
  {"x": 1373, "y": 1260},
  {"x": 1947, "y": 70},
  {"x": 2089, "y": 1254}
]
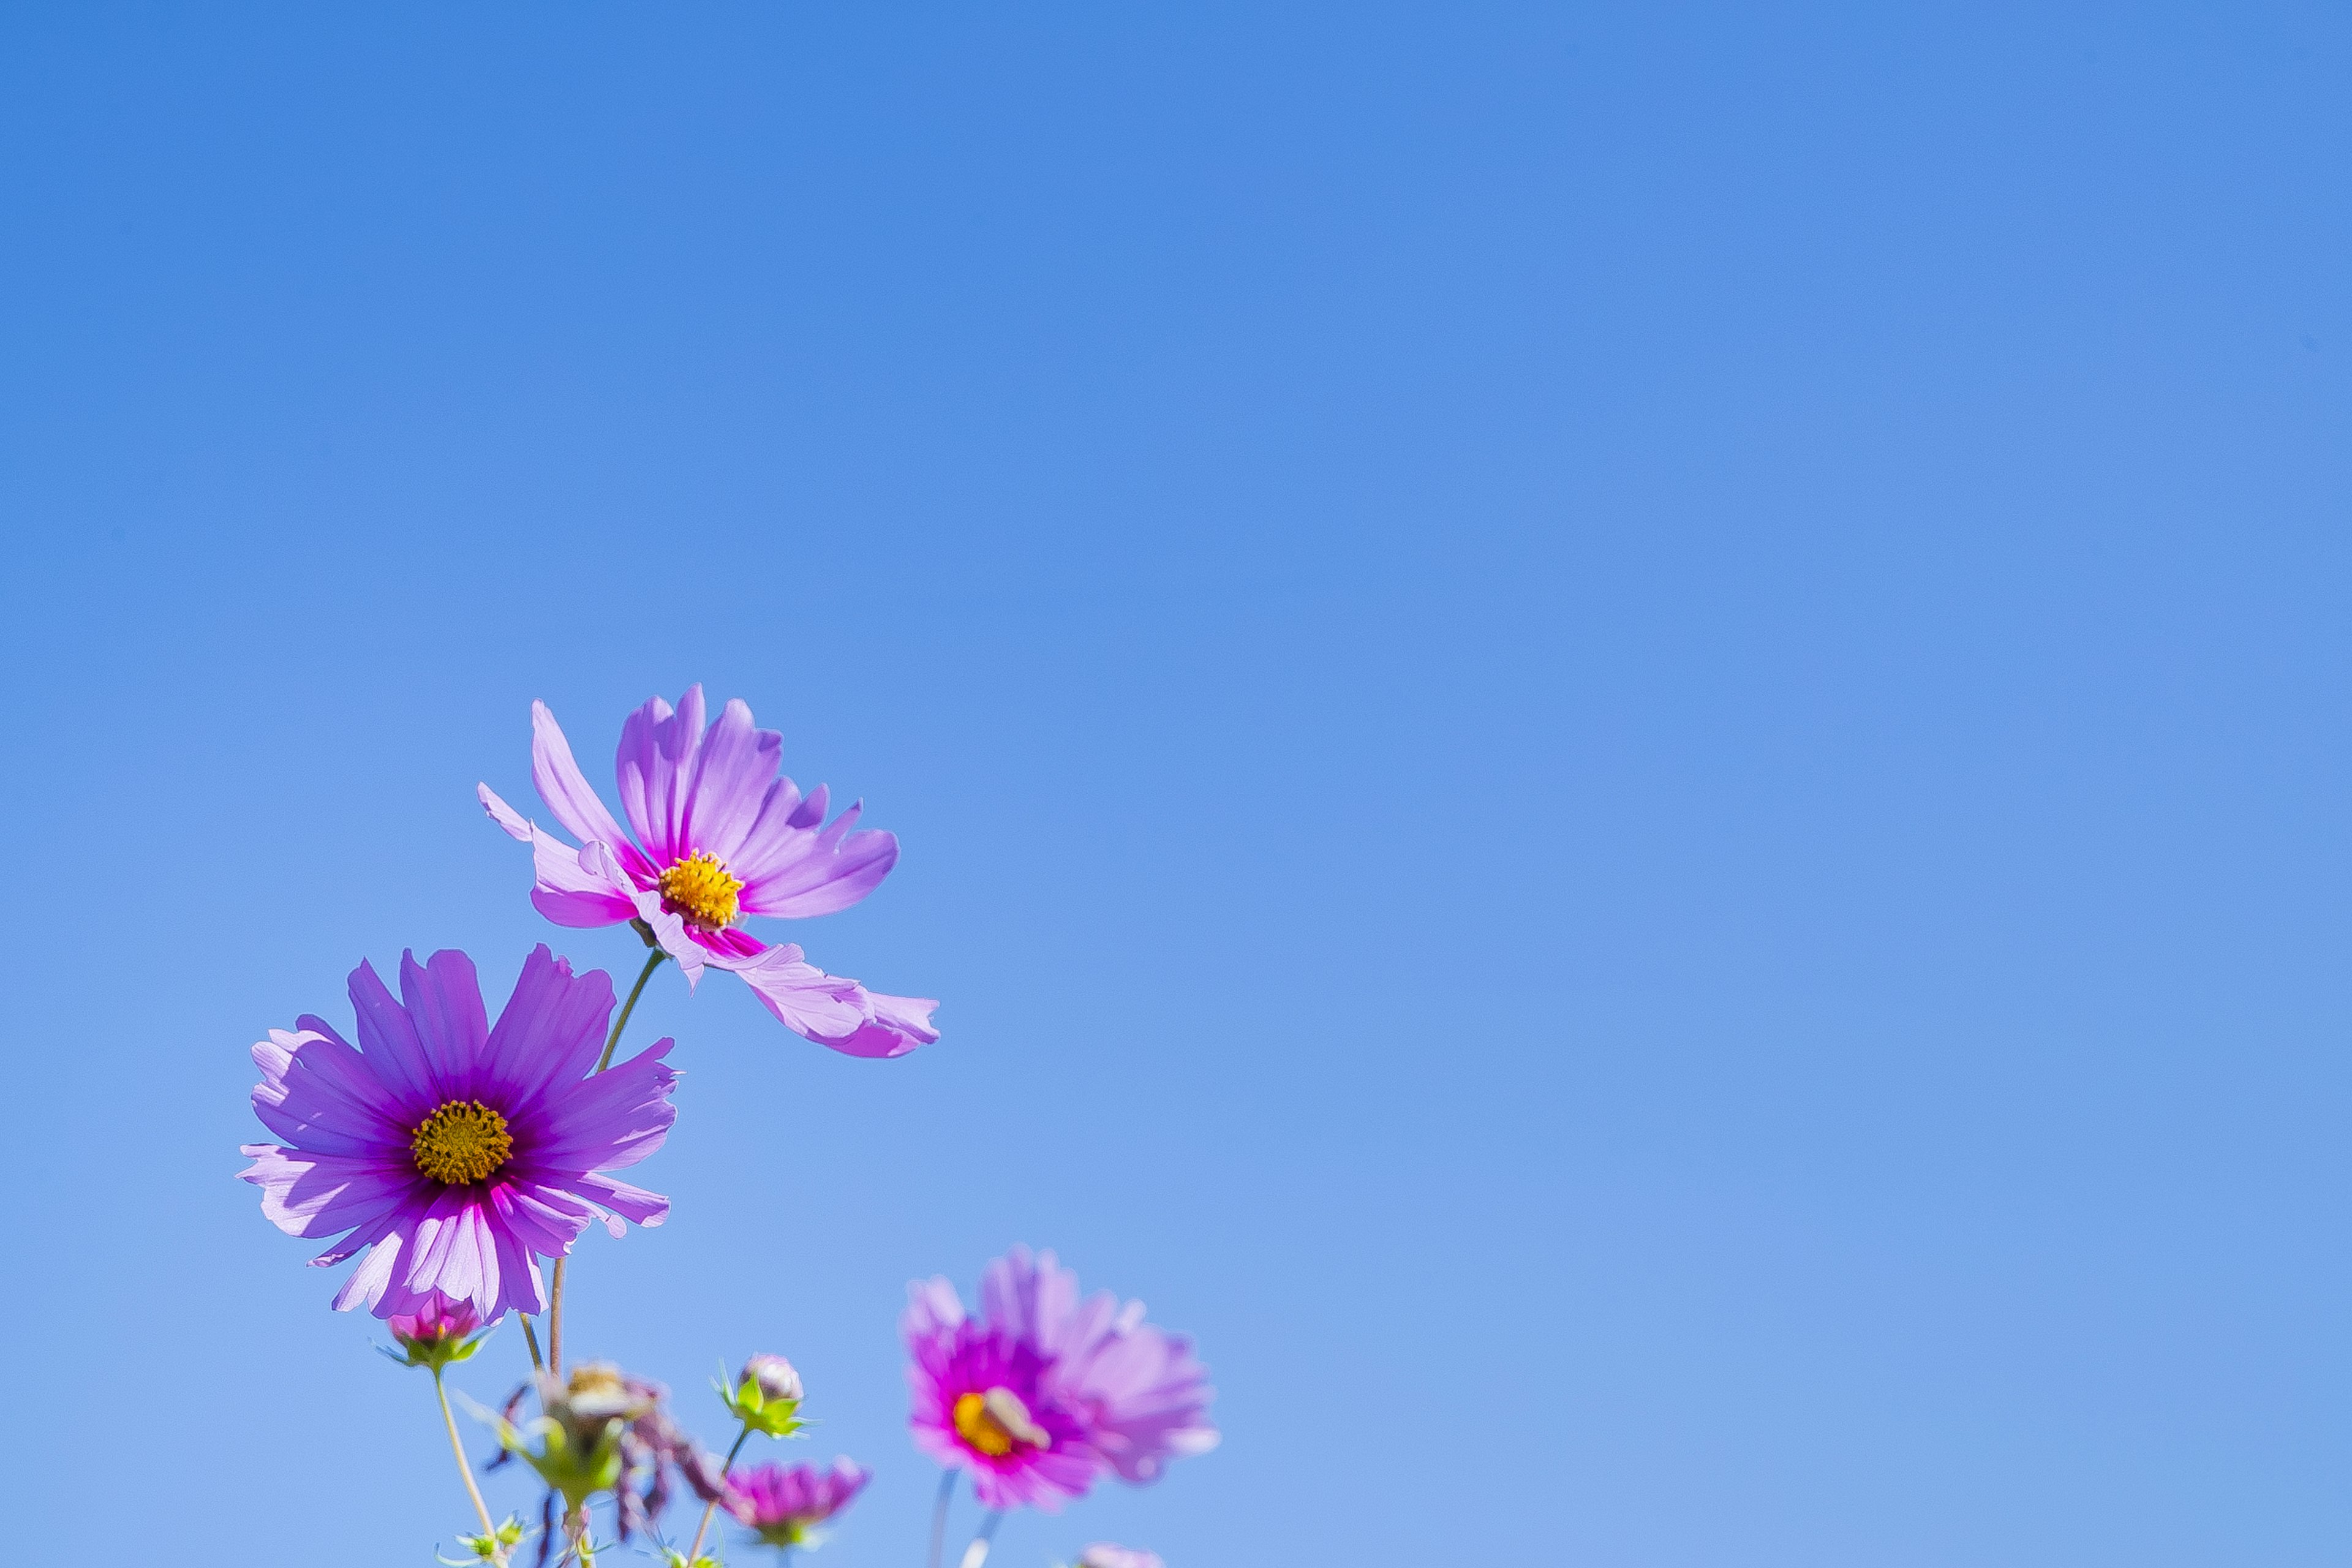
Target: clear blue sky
[{"x": 1621, "y": 736}]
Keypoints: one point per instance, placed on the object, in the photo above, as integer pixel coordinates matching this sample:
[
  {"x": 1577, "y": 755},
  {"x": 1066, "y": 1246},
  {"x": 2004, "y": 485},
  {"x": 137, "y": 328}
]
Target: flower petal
[
  {"x": 649, "y": 1209},
  {"x": 805, "y": 998},
  {"x": 734, "y": 773},
  {"x": 794, "y": 872},
  {"x": 653, "y": 763},
  {"x": 561, "y": 783}
]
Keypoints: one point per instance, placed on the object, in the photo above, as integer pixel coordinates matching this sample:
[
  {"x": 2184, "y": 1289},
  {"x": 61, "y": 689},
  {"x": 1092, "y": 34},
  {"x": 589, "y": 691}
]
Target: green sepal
[
  {"x": 776, "y": 1418},
  {"x": 433, "y": 1355}
]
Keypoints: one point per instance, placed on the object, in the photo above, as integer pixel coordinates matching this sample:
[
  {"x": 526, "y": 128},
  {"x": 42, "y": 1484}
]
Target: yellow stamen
[
  {"x": 699, "y": 889},
  {"x": 461, "y": 1142},
  {"x": 996, "y": 1422}
]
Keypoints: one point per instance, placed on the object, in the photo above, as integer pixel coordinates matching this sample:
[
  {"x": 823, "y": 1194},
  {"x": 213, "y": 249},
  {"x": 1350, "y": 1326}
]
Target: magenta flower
[
  {"x": 1046, "y": 1392},
  {"x": 456, "y": 1154},
  {"x": 785, "y": 1502},
  {"x": 717, "y": 834}
]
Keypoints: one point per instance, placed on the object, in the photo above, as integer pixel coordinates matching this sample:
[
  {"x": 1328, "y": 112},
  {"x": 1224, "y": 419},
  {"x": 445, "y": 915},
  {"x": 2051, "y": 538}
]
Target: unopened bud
[
  {"x": 439, "y": 1333},
  {"x": 776, "y": 1377}
]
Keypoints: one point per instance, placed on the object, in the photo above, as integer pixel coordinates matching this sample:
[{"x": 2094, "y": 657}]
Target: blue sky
[{"x": 1619, "y": 736}]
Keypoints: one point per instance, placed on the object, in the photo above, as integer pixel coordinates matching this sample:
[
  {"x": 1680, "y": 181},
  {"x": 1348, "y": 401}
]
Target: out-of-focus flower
[
  {"x": 717, "y": 834},
  {"x": 785, "y": 1502},
  {"x": 578, "y": 1430},
  {"x": 454, "y": 1153},
  {"x": 1103, "y": 1555},
  {"x": 1045, "y": 1392},
  {"x": 765, "y": 1395},
  {"x": 440, "y": 1333},
  {"x": 602, "y": 1430},
  {"x": 1143, "y": 1393}
]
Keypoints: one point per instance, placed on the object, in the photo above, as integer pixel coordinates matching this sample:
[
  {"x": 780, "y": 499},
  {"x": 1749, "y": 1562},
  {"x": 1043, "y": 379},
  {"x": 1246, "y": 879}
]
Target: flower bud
[
  {"x": 764, "y": 1396},
  {"x": 776, "y": 1377},
  {"x": 438, "y": 1333}
]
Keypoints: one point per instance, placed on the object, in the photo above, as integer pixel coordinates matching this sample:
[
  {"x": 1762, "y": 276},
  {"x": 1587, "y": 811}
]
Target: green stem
[
  {"x": 940, "y": 1515},
  {"x": 531, "y": 1340},
  {"x": 464, "y": 1470},
  {"x": 653, "y": 962},
  {"x": 710, "y": 1508},
  {"x": 611, "y": 1043}
]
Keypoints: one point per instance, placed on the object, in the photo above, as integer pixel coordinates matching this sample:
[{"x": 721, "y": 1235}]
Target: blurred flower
[
  {"x": 766, "y": 1395},
  {"x": 785, "y": 1502},
  {"x": 1103, "y": 1555},
  {"x": 718, "y": 834},
  {"x": 440, "y": 1333},
  {"x": 1045, "y": 1392},
  {"x": 454, "y": 1153},
  {"x": 602, "y": 1430},
  {"x": 577, "y": 1433}
]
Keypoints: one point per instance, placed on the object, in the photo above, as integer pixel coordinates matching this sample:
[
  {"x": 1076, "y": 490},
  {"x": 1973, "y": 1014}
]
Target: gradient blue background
[{"x": 1621, "y": 736}]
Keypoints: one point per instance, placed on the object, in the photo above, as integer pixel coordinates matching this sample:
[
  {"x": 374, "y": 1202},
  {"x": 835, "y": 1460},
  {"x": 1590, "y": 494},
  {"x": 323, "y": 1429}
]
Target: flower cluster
[{"x": 453, "y": 1156}]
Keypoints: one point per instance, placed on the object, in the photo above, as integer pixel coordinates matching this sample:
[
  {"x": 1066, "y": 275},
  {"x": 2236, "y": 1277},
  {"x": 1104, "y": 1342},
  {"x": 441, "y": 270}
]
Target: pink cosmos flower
[
  {"x": 1045, "y": 1392},
  {"x": 785, "y": 1502},
  {"x": 456, "y": 1154},
  {"x": 715, "y": 834}
]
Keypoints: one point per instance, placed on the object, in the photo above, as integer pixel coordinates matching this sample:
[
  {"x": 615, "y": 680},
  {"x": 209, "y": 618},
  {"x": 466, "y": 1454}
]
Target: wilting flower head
[
  {"x": 1045, "y": 1392},
  {"x": 455, "y": 1153},
  {"x": 602, "y": 1430},
  {"x": 1103, "y": 1555},
  {"x": 717, "y": 834},
  {"x": 438, "y": 1333},
  {"x": 785, "y": 1502}
]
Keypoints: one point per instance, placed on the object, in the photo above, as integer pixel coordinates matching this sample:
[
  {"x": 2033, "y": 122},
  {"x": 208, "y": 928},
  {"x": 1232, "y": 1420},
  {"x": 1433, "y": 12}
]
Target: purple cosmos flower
[
  {"x": 718, "y": 834},
  {"x": 785, "y": 1502},
  {"x": 1048, "y": 1392},
  {"x": 455, "y": 1153},
  {"x": 1103, "y": 1555}
]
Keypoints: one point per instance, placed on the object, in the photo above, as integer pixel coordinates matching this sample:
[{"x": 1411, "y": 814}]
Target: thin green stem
[
  {"x": 464, "y": 1470},
  {"x": 531, "y": 1340},
  {"x": 575, "y": 1525},
  {"x": 939, "y": 1516},
  {"x": 653, "y": 962},
  {"x": 611, "y": 1043},
  {"x": 977, "y": 1552},
  {"x": 710, "y": 1508},
  {"x": 556, "y": 1322}
]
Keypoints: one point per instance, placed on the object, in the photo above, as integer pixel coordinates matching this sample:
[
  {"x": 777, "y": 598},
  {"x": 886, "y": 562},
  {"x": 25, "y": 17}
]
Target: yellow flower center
[
  {"x": 462, "y": 1142},
  {"x": 996, "y": 1423},
  {"x": 699, "y": 889}
]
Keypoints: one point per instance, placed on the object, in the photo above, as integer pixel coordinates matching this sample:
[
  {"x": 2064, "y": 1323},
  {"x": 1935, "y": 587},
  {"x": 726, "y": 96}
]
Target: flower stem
[
  {"x": 939, "y": 1516},
  {"x": 531, "y": 1339},
  {"x": 464, "y": 1470},
  {"x": 611, "y": 1043},
  {"x": 653, "y": 962},
  {"x": 556, "y": 1322},
  {"x": 977, "y": 1552},
  {"x": 710, "y": 1508}
]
